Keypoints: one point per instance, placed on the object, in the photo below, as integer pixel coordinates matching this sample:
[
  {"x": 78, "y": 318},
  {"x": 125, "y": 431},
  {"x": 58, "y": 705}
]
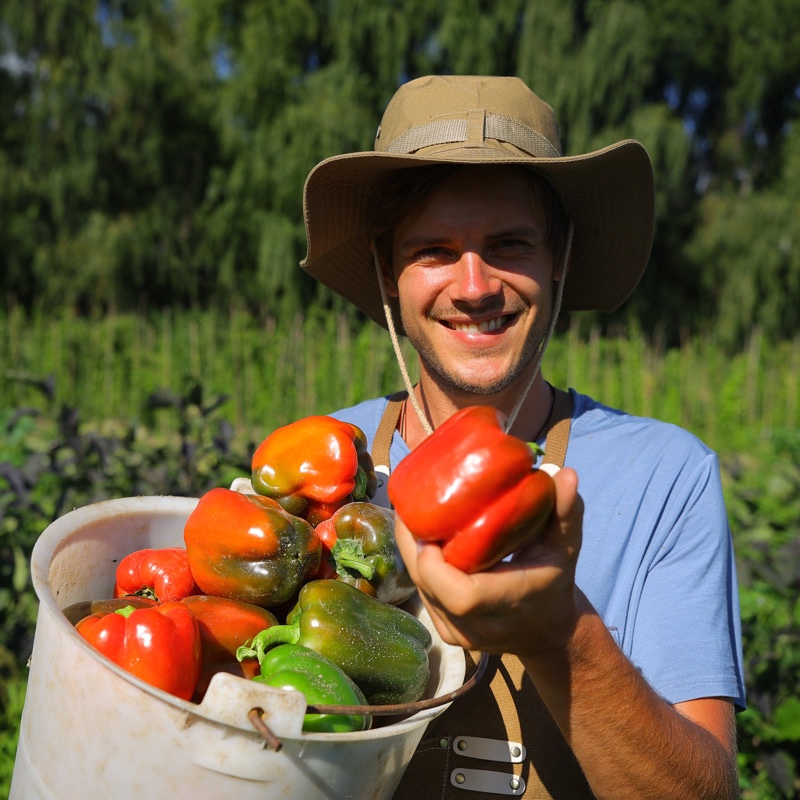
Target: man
[{"x": 616, "y": 641}]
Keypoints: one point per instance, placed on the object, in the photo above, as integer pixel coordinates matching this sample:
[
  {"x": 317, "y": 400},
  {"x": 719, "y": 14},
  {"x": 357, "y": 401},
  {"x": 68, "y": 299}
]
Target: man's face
[{"x": 474, "y": 280}]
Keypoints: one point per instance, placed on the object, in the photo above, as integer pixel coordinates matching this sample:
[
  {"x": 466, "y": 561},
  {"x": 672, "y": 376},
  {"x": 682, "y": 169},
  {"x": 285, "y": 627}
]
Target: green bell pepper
[
  {"x": 292, "y": 666},
  {"x": 359, "y": 541},
  {"x": 383, "y": 648}
]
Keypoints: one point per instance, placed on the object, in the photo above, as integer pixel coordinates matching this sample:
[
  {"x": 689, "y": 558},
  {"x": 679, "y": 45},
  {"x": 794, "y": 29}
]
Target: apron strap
[
  {"x": 382, "y": 442},
  {"x": 558, "y": 426}
]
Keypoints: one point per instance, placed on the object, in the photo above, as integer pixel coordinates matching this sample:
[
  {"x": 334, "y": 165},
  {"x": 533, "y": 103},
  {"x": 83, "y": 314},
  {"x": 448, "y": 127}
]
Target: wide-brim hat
[{"x": 608, "y": 193}]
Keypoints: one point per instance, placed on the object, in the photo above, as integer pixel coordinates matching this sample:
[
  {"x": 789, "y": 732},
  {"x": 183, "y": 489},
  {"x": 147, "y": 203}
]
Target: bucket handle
[{"x": 256, "y": 714}]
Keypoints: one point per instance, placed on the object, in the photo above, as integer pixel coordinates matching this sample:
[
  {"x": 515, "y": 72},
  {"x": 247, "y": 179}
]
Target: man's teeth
[{"x": 479, "y": 327}]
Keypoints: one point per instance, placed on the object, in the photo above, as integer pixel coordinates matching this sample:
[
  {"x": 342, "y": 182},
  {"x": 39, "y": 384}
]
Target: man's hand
[
  {"x": 522, "y": 606},
  {"x": 609, "y": 715}
]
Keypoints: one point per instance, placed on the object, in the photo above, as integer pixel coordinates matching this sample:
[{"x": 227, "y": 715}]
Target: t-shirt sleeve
[{"x": 687, "y": 633}]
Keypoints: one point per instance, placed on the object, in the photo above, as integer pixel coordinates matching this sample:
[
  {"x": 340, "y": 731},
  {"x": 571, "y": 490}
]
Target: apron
[{"x": 519, "y": 752}]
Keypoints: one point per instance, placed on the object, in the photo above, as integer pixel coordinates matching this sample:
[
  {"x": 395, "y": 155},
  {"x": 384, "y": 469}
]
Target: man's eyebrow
[
  {"x": 517, "y": 231},
  {"x": 421, "y": 240},
  {"x": 525, "y": 231}
]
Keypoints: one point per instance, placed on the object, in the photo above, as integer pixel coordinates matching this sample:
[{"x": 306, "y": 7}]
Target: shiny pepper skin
[
  {"x": 160, "y": 645},
  {"x": 358, "y": 546},
  {"x": 472, "y": 488},
  {"x": 383, "y": 648},
  {"x": 314, "y": 466},
  {"x": 246, "y": 547},
  {"x": 161, "y": 573}
]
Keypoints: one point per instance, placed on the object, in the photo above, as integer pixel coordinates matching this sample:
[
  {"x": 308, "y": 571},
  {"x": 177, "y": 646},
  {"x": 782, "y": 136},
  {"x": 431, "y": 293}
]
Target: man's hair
[{"x": 406, "y": 189}]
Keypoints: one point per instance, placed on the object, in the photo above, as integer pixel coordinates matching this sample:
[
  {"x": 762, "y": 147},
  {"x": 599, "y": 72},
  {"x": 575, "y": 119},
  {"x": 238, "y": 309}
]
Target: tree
[{"x": 155, "y": 153}]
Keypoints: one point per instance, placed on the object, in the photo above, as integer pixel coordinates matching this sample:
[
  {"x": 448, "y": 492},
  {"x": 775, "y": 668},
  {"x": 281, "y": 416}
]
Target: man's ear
[
  {"x": 388, "y": 281},
  {"x": 385, "y": 271}
]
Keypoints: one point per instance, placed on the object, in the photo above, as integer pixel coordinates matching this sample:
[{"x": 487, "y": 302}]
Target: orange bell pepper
[
  {"x": 314, "y": 466},
  {"x": 246, "y": 547},
  {"x": 225, "y": 625}
]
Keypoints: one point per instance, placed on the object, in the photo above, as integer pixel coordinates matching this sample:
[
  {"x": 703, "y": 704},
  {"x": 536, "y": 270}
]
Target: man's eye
[{"x": 430, "y": 254}]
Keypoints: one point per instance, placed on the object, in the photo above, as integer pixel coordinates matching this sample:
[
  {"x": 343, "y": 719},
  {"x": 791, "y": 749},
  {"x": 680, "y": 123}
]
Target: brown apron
[{"x": 498, "y": 740}]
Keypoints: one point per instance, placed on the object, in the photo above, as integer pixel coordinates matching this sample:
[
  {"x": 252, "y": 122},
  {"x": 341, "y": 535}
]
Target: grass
[{"x": 275, "y": 373}]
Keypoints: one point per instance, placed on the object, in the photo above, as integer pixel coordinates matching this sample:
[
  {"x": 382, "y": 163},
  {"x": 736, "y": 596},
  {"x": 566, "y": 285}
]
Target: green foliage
[
  {"x": 153, "y": 155},
  {"x": 763, "y": 498},
  {"x": 749, "y": 244},
  {"x": 109, "y": 368},
  {"x": 53, "y": 462},
  {"x": 12, "y": 699}
]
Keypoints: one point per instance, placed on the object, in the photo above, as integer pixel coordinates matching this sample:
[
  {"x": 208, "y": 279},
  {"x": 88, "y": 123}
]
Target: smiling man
[
  {"x": 473, "y": 275},
  {"x": 615, "y": 642}
]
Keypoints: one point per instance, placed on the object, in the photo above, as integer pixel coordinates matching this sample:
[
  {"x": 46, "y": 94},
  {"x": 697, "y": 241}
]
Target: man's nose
[{"x": 475, "y": 280}]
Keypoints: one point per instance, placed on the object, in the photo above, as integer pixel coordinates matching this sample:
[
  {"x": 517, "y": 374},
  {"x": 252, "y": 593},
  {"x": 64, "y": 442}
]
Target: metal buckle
[
  {"x": 489, "y": 749},
  {"x": 484, "y": 780}
]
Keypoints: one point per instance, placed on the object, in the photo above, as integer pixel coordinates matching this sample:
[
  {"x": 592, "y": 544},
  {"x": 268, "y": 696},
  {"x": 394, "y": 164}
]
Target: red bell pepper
[
  {"x": 473, "y": 488},
  {"x": 160, "y": 645},
  {"x": 314, "y": 466},
  {"x": 248, "y": 548},
  {"x": 163, "y": 574},
  {"x": 225, "y": 625}
]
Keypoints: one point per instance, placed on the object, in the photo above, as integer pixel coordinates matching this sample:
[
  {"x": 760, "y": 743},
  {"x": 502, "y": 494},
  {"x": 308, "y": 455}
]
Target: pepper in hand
[
  {"x": 246, "y": 547},
  {"x": 474, "y": 489},
  {"x": 314, "y": 466},
  {"x": 383, "y": 648},
  {"x": 292, "y": 666}
]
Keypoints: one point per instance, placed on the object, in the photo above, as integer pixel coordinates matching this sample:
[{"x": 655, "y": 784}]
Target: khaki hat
[{"x": 460, "y": 119}]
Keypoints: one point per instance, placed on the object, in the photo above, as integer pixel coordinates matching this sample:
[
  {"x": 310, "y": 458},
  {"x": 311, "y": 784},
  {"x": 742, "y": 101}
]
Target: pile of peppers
[{"x": 294, "y": 583}]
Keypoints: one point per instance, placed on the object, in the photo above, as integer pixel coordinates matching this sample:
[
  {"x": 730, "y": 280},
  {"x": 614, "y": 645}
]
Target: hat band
[{"x": 486, "y": 126}]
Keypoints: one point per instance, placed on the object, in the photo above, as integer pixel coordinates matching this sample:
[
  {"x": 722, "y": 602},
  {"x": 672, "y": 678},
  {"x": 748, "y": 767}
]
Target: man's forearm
[{"x": 629, "y": 742}]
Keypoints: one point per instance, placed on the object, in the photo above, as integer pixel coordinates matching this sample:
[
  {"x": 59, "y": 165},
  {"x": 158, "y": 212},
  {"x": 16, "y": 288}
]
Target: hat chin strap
[{"x": 387, "y": 311}]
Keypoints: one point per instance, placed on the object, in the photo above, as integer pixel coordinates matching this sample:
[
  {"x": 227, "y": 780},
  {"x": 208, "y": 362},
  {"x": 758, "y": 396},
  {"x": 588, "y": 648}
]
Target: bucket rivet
[
  {"x": 462, "y": 745},
  {"x": 514, "y": 784},
  {"x": 444, "y": 743},
  {"x": 515, "y": 751},
  {"x": 459, "y": 777}
]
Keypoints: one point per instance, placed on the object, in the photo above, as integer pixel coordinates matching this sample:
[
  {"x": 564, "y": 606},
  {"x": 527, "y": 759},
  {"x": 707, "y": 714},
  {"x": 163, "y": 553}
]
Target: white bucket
[{"x": 91, "y": 731}]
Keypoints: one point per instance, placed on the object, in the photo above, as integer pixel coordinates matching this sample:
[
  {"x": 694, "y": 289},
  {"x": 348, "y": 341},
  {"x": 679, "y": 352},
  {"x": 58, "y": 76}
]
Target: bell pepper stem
[
  {"x": 261, "y": 642},
  {"x": 349, "y": 554}
]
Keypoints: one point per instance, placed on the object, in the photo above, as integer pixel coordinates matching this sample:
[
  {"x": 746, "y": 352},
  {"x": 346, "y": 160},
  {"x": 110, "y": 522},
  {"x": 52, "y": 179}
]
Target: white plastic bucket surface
[{"x": 91, "y": 730}]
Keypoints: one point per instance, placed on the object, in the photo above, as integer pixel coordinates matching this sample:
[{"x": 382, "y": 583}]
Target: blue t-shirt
[{"x": 656, "y": 560}]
